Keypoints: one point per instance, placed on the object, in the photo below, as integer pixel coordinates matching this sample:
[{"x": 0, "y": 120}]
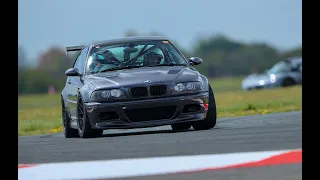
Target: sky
[{"x": 45, "y": 23}]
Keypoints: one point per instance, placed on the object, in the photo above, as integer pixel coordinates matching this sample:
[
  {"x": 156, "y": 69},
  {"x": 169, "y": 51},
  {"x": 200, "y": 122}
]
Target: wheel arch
[
  {"x": 288, "y": 78},
  {"x": 85, "y": 92},
  {"x": 64, "y": 97},
  {"x": 205, "y": 82}
]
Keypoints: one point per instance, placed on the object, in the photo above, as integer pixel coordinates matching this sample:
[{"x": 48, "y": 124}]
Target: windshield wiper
[
  {"x": 170, "y": 64},
  {"x": 119, "y": 68}
]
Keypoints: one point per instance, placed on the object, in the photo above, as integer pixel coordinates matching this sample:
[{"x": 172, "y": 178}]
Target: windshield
[
  {"x": 133, "y": 55},
  {"x": 279, "y": 68}
]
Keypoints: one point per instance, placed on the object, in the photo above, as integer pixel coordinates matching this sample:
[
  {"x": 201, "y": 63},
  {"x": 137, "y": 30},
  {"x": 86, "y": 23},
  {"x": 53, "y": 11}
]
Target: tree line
[{"x": 222, "y": 57}]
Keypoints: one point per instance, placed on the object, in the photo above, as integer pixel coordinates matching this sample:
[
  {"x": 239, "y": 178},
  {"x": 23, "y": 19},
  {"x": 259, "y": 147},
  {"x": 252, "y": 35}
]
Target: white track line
[{"x": 138, "y": 167}]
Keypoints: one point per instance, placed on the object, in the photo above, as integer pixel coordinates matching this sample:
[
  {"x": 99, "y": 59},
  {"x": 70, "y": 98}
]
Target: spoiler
[{"x": 73, "y": 48}]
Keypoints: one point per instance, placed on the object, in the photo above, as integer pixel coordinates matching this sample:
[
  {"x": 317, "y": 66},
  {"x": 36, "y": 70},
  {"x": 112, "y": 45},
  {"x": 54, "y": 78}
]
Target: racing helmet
[
  {"x": 108, "y": 54},
  {"x": 105, "y": 57},
  {"x": 153, "y": 54}
]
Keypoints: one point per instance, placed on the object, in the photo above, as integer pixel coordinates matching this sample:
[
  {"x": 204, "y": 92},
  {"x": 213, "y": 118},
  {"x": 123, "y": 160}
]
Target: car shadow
[
  {"x": 144, "y": 133},
  {"x": 106, "y": 134},
  {"x": 151, "y": 132}
]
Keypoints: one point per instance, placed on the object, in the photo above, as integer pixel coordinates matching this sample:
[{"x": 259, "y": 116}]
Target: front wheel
[
  {"x": 288, "y": 82},
  {"x": 68, "y": 132},
  {"x": 84, "y": 127},
  {"x": 210, "y": 121}
]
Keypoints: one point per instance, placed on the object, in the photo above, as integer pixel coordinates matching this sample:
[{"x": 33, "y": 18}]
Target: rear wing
[{"x": 73, "y": 49}]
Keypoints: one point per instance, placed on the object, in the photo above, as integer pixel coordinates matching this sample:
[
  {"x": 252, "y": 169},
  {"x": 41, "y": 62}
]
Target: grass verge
[{"x": 41, "y": 114}]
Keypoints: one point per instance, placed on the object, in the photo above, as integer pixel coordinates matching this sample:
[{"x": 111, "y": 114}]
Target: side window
[
  {"x": 295, "y": 64},
  {"x": 81, "y": 60},
  {"x": 77, "y": 60}
]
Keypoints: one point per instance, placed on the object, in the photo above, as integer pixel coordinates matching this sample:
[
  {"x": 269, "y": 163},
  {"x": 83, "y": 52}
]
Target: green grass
[
  {"x": 38, "y": 114},
  {"x": 41, "y": 114},
  {"x": 226, "y": 84},
  {"x": 259, "y": 102}
]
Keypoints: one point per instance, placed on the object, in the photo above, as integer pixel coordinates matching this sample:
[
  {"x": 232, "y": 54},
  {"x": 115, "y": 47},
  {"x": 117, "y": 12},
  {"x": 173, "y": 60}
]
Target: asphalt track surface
[{"x": 238, "y": 134}]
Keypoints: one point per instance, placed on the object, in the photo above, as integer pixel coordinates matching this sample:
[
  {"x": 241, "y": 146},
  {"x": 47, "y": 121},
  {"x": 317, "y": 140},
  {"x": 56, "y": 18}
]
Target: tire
[
  {"x": 180, "y": 126},
  {"x": 288, "y": 82},
  {"x": 210, "y": 121},
  {"x": 84, "y": 127},
  {"x": 68, "y": 132}
]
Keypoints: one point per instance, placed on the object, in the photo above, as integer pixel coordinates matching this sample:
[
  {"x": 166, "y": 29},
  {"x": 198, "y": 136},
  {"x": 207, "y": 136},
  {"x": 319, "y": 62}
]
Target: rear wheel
[
  {"x": 67, "y": 130},
  {"x": 210, "y": 121},
  {"x": 84, "y": 127},
  {"x": 180, "y": 126}
]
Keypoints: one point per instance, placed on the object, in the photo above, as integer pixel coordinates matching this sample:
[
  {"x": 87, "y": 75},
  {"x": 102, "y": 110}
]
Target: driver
[
  {"x": 104, "y": 61},
  {"x": 152, "y": 58},
  {"x": 98, "y": 64}
]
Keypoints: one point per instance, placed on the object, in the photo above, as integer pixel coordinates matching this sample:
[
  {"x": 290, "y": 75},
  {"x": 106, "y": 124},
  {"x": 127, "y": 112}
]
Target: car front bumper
[
  {"x": 160, "y": 111},
  {"x": 256, "y": 85}
]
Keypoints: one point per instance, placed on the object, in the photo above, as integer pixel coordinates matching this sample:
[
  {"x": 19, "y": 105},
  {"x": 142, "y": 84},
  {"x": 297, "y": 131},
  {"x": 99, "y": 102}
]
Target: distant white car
[{"x": 287, "y": 72}]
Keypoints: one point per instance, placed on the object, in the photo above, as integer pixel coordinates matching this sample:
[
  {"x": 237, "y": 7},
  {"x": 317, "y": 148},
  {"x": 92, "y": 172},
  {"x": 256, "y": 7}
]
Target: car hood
[{"x": 138, "y": 76}]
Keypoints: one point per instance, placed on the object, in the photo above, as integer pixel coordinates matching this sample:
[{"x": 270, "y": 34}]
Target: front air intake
[
  {"x": 139, "y": 92},
  {"x": 158, "y": 90}
]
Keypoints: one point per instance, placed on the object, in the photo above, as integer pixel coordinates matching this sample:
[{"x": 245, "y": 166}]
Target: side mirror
[
  {"x": 72, "y": 72},
  {"x": 195, "y": 61}
]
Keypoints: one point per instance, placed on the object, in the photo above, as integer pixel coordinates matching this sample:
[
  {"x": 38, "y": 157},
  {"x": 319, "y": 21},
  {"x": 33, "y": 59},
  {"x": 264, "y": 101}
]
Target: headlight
[
  {"x": 110, "y": 94},
  {"x": 261, "y": 82},
  {"x": 273, "y": 78},
  {"x": 187, "y": 87}
]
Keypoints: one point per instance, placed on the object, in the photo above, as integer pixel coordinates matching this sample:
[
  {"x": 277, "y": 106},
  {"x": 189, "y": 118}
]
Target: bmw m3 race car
[{"x": 134, "y": 82}]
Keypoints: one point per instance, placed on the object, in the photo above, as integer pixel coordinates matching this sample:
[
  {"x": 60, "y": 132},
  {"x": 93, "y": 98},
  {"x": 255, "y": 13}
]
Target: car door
[{"x": 75, "y": 83}]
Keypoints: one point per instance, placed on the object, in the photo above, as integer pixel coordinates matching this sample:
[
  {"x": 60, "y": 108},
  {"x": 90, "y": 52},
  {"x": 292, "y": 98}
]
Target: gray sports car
[
  {"x": 134, "y": 83},
  {"x": 287, "y": 72}
]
